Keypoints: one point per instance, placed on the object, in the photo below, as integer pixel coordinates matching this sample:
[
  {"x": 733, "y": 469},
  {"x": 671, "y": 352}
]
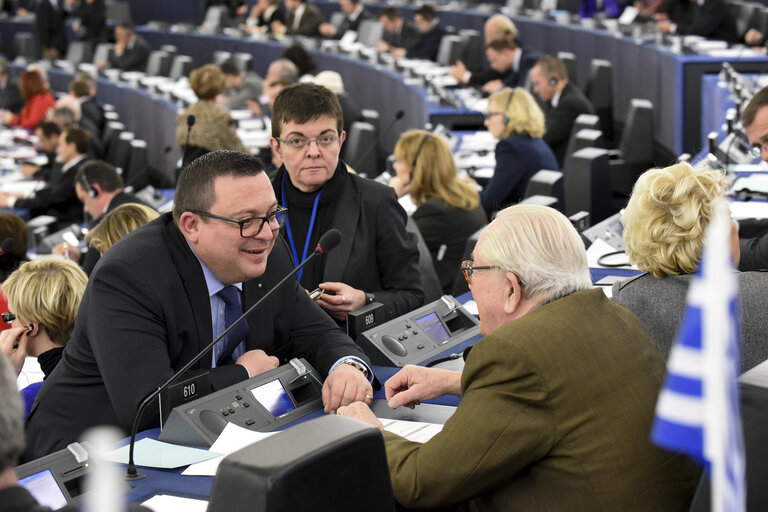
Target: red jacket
[{"x": 34, "y": 110}]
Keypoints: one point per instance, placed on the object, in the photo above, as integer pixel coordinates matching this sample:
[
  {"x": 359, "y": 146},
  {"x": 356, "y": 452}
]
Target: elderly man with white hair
[{"x": 557, "y": 399}]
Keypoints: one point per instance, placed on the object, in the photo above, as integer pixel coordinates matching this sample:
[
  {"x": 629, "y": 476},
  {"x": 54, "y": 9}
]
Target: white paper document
[
  {"x": 232, "y": 438},
  {"x": 416, "y": 431},
  {"x": 168, "y": 503}
]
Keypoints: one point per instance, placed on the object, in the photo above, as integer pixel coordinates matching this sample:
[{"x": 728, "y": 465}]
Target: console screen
[
  {"x": 434, "y": 327},
  {"x": 274, "y": 398},
  {"x": 44, "y": 488}
]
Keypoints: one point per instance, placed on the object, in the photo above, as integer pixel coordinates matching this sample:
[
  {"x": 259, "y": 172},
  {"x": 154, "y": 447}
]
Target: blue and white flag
[{"x": 699, "y": 411}]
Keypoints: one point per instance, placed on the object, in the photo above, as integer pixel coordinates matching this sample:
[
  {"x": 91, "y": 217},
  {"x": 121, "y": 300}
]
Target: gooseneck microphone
[
  {"x": 398, "y": 116},
  {"x": 9, "y": 243},
  {"x": 190, "y": 124},
  {"x": 328, "y": 241}
]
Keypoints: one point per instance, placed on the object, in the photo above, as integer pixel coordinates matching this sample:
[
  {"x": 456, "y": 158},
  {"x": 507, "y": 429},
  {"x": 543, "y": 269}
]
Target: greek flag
[{"x": 698, "y": 411}]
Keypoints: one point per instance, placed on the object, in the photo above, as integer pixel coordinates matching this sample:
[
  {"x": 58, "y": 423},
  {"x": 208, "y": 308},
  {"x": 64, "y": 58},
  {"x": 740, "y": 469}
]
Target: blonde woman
[
  {"x": 118, "y": 223},
  {"x": 665, "y": 225},
  {"x": 449, "y": 209},
  {"x": 517, "y": 122}
]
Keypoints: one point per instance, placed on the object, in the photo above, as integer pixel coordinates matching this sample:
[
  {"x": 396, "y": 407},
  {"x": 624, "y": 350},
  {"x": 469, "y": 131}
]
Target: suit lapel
[{"x": 345, "y": 220}]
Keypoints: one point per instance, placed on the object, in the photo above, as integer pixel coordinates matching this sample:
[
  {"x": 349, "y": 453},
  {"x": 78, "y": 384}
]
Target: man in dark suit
[
  {"x": 354, "y": 14},
  {"x": 303, "y": 20},
  {"x": 131, "y": 50},
  {"x": 398, "y": 33},
  {"x": 100, "y": 188},
  {"x": 58, "y": 199},
  {"x": 563, "y": 102},
  {"x": 81, "y": 88},
  {"x": 240, "y": 87},
  {"x": 164, "y": 292},
  {"x": 556, "y": 401},
  {"x": 377, "y": 259},
  {"x": 49, "y": 18},
  {"x": 712, "y": 19},
  {"x": 428, "y": 43},
  {"x": 511, "y": 62},
  {"x": 10, "y": 97},
  {"x": 48, "y": 134}
]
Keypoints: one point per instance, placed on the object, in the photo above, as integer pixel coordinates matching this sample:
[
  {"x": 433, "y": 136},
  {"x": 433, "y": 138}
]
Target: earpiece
[
  {"x": 505, "y": 117},
  {"x": 30, "y": 328},
  {"x": 553, "y": 81},
  {"x": 90, "y": 189}
]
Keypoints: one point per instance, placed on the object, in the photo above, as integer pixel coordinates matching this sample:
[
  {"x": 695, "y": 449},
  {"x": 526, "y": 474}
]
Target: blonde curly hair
[{"x": 666, "y": 220}]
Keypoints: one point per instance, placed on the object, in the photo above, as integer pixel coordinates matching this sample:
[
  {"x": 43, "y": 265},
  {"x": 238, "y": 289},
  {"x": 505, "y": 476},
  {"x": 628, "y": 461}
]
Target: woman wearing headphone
[
  {"x": 517, "y": 121},
  {"x": 449, "y": 209}
]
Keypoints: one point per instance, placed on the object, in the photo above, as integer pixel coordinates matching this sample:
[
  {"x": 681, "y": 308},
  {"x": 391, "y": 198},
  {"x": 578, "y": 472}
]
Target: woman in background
[
  {"x": 665, "y": 224},
  {"x": 116, "y": 224},
  {"x": 37, "y": 101},
  {"x": 517, "y": 121},
  {"x": 448, "y": 207}
]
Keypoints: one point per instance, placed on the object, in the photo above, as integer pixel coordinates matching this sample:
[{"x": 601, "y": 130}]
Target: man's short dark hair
[
  {"x": 304, "y": 61},
  {"x": 553, "y": 66},
  {"x": 195, "y": 189},
  {"x": 391, "y": 13},
  {"x": 500, "y": 45},
  {"x": 80, "y": 138},
  {"x": 49, "y": 128},
  {"x": 79, "y": 88},
  {"x": 128, "y": 26},
  {"x": 5, "y": 67},
  {"x": 11, "y": 417},
  {"x": 426, "y": 11},
  {"x": 230, "y": 67},
  {"x": 101, "y": 173},
  {"x": 305, "y": 102},
  {"x": 757, "y": 102}
]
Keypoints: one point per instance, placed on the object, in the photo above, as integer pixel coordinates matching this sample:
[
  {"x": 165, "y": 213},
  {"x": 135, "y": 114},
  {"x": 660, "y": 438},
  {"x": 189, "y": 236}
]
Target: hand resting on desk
[
  {"x": 345, "y": 385},
  {"x": 413, "y": 384}
]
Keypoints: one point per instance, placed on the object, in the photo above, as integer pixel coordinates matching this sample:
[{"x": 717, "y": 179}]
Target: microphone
[
  {"x": 9, "y": 243},
  {"x": 398, "y": 115},
  {"x": 328, "y": 241},
  {"x": 190, "y": 124}
]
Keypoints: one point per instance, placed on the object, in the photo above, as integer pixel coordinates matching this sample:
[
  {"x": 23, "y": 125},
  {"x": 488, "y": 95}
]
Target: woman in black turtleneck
[{"x": 43, "y": 299}]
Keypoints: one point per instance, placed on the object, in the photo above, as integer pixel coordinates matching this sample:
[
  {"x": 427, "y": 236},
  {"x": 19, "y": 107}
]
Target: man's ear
[
  {"x": 189, "y": 223},
  {"x": 513, "y": 293}
]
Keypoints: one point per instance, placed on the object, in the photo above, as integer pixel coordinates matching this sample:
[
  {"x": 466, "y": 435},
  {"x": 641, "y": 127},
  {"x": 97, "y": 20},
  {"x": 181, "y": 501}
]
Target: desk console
[
  {"x": 419, "y": 335},
  {"x": 262, "y": 403}
]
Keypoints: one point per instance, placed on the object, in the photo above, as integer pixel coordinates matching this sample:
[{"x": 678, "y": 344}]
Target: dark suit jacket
[
  {"x": 50, "y": 27},
  {"x": 713, "y": 20},
  {"x": 58, "y": 198},
  {"x": 555, "y": 414},
  {"x": 277, "y": 15},
  {"x": 93, "y": 112},
  {"x": 753, "y": 242},
  {"x": 144, "y": 314},
  {"x": 376, "y": 253},
  {"x": 348, "y": 24},
  {"x": 428, "y": 44},
  {"x": 518, "y": 157},
  {"x": 92, "y": 256},
  {"x": 309, "y": 24},
  {"x": 10, "y": 97},
  {"x": 93, "y": 23},
  {"x": 518, "y": 78},
  {"x": 445, "y": 230},
  {"x": 560, "y": 119},
  {"x": 405, "y": 38},
  {"x": 134, "y": 58}
]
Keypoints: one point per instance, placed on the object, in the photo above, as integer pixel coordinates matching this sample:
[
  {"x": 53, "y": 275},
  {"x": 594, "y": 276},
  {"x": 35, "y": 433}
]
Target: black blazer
[
  {"x": 428, "y": 44},
  {"x": 309, "y": 24},
  {"x": 144, "y": 314},
  {"x": 518, "y": 78},
  {"x": 348, "y": 24},
  {"x": 405, "y": 38},
  {"x": 10, "y": 96},
  {"x": 58, "y": 198},
  {"x": 50, "y": 26},
  {"x": 134, "y": 58},
  {"x": 560, "y": 119},
  {"x": 713, "y": 20},
  {"x": 277, "y": 15}
]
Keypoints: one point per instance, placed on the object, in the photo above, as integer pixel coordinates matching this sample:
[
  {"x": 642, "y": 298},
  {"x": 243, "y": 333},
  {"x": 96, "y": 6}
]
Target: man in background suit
[
  {"x": 557, "y": 399},
  {"x": 397, "y": 32},
  {"x": 48, "y": 134},
  {"x": 303, "y": 20},
  {"x": 240, "y": 87},
  {"x": 161, "y": 294},
  {"x": 428, "y": 43},
  {"x": 712, "y": 19},
  {"x": 10, "y": 96},
  {"x": 354, "y": 14},
  {"x": 49, "y": 18},
  {"x": 131, "y": 50},
  {"x": 563, "y": 102},
  {"x": 511, "y": 62}
]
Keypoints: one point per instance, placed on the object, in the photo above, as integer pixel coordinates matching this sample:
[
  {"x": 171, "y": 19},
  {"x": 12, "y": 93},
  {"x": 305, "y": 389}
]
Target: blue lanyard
[{"x": 309, "y": 231}]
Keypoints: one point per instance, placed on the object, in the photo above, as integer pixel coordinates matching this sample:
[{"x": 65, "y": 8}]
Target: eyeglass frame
[
  {"x": 241, "y": 223},
  {"x": 468, "y": 271},
  {"x": 316, "y": 140}
]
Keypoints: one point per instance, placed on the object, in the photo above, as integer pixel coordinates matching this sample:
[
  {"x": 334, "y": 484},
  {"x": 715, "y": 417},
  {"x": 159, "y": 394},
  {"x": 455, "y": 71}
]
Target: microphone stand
[{"x": 131, "y": 473}]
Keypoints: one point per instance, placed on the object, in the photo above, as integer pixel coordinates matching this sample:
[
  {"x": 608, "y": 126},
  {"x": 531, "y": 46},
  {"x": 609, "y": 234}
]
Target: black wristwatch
[
  {"x": 356, "y": 364},
  {"x": 369, "y": 297}
]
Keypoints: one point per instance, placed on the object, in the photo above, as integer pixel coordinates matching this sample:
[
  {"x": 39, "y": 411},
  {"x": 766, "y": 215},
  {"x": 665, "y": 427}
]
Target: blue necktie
[{"x": 233, "y": 310}]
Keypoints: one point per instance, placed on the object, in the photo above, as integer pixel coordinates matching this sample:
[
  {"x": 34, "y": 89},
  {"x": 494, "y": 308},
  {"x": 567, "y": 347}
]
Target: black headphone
[
  {"x": 90, "y": 189},
  {"x": 553, "y": 81},
  {"x": 418, "y": 151},
  {"x": 504, "y": 116}
]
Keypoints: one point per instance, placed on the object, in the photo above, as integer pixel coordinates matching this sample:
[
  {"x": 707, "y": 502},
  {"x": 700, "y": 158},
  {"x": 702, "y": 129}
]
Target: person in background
[
  {"x": 354, "y": 14},
  {"x": 47, "y": 134},
  {"x": 517, "y": 122},
  {"x": 37, "y": 101},
  {"x": 118, "y": 223},
  {"x": 52, "y": 34},
  {"x": 131, "y": 50},
  {"x": 12, "y": 226},
  {"x": 10, "y": 96},
  {"x": 448, "y": 207},
  {"x": 262, "y": 14},
  {"x": 239, "y": 87},
  {"x": 397, "y": 32},
  {"x": 214, "y": 128},
  {"x": 712, "y": 19},
  {"x": 557, "y": 399},
  {"x": 511, "y": 62},
  {"x": 92, "y": 27},
  {"x": 665, "y": 224},
  {"x": 83, "y": 89},
  {"x": 303, "y": 20},
  {"x": 431, "y": 33},
  {"x": 304, "y": 61}
]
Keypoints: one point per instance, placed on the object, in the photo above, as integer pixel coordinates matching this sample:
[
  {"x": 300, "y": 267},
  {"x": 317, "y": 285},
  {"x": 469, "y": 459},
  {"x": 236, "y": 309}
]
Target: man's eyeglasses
[
  {"x": 297, "y": 143},
  {"x": 8, "y": 317},
  {"x": 468, "y": 270},
  {"x": 252, "y": 226}
]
